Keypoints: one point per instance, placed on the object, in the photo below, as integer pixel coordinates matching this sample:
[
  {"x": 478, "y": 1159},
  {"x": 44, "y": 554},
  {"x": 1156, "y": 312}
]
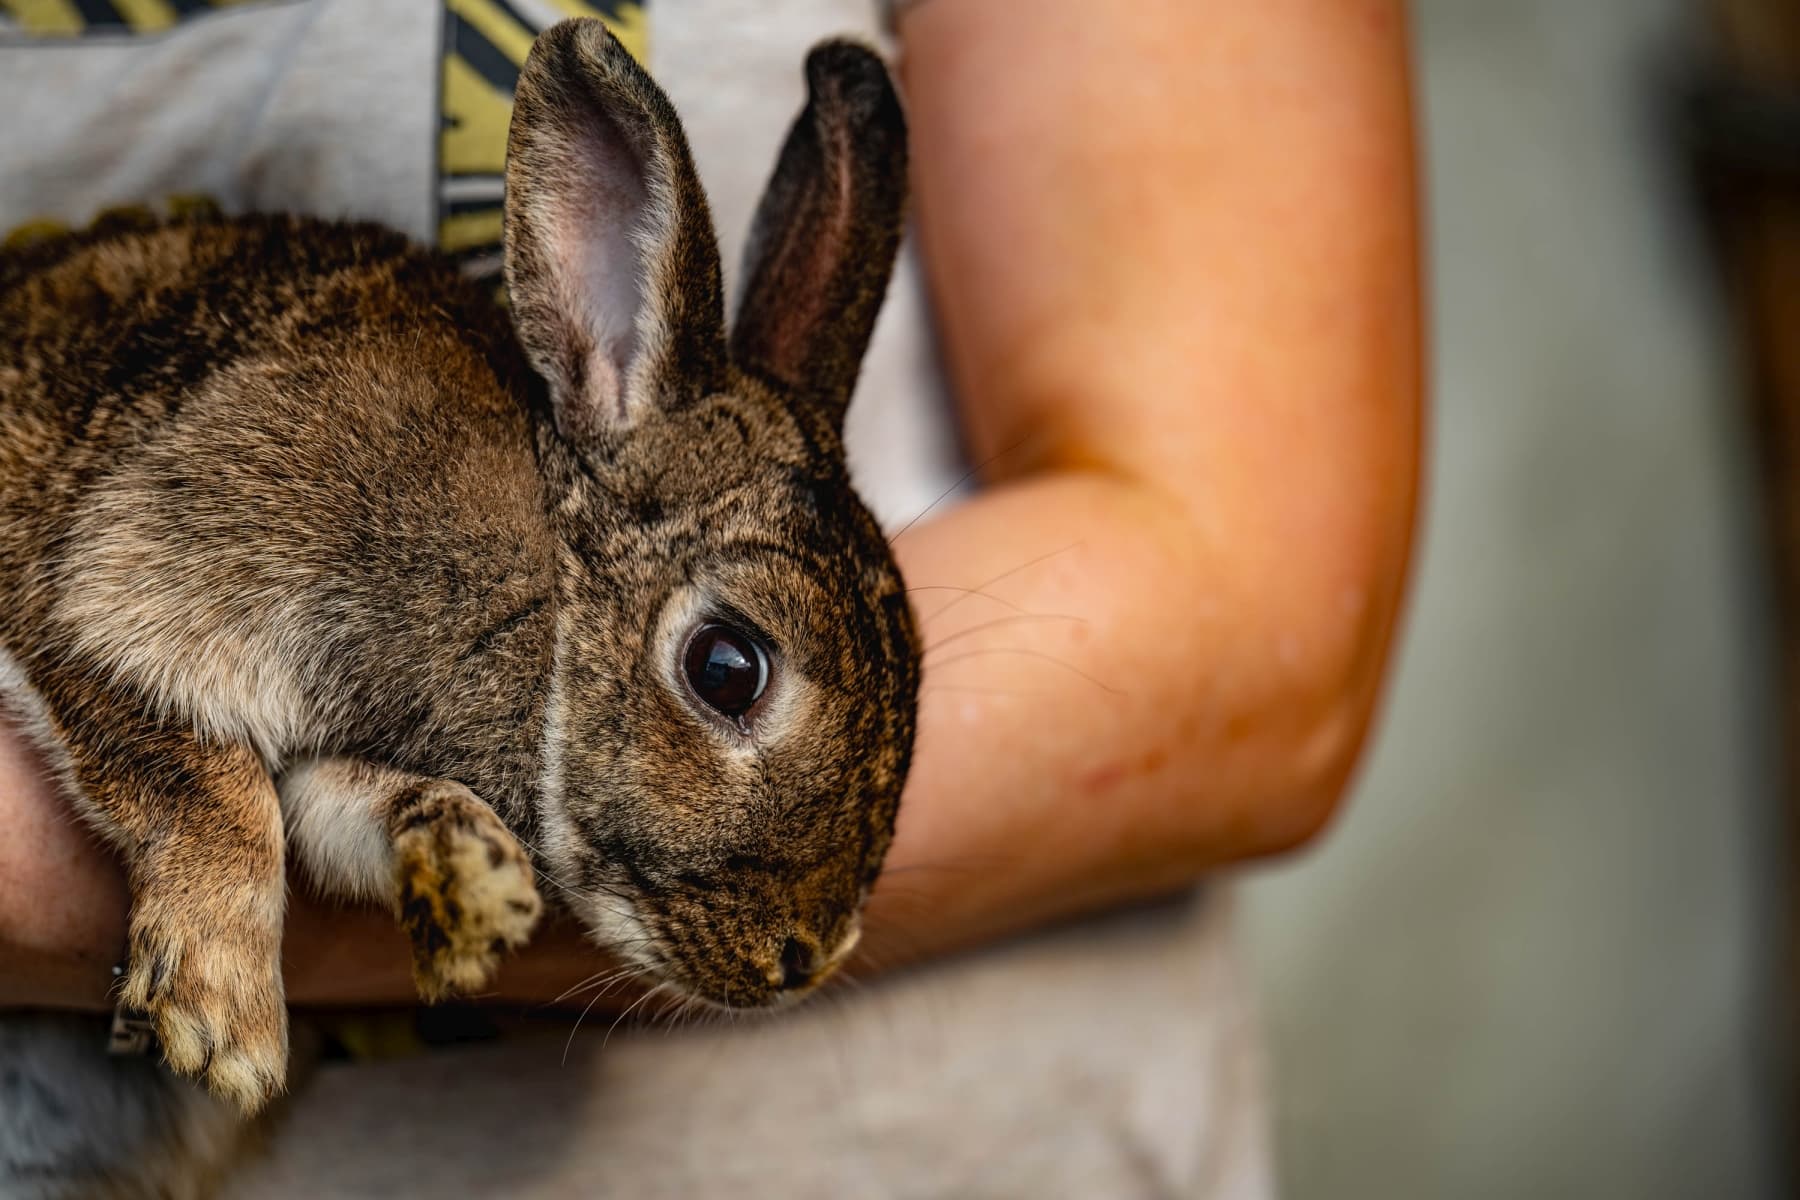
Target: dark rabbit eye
[{"x": 726, "y": 668}]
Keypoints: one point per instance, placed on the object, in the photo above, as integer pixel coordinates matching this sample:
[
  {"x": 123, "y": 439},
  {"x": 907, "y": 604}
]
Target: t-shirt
[{"x": 1114, "y": 1057}]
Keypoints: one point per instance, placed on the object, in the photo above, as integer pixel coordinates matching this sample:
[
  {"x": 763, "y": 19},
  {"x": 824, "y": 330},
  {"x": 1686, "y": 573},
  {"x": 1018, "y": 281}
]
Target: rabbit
[{"x": 315, "y": 552}]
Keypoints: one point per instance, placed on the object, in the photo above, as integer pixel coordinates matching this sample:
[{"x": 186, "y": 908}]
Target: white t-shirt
[{"x": 1112, "y": 1058}]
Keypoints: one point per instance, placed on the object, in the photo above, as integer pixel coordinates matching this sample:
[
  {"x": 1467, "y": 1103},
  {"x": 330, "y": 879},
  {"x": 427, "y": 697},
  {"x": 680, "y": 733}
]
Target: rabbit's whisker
[
  {"x": 578, "y": 1020},
  {"x": 605, "y": 978},
  {"x": 998, "y": 621},
  {"x": 1049, "y": 658},
  {"x": 981, "y": 588},
  {"x": 950, "y": 587},
  {"x": 944, "y": 495},
  {"x": 633, "y": 1006}
]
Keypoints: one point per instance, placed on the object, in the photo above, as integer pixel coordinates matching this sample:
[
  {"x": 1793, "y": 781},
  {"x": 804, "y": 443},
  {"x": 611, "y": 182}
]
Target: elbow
[
  {"x": 1317, "y": 744},
  {"x": 1308, "y": 790},
  {"x": 1273, "y": 786},
  {"x": 1293, "y": 742},
  {"x": 1325, "y": 677}
]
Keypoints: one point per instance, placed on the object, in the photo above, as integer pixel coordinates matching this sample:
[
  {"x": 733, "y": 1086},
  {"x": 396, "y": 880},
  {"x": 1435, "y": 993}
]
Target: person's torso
[{"x": 1114, "y": 1057}]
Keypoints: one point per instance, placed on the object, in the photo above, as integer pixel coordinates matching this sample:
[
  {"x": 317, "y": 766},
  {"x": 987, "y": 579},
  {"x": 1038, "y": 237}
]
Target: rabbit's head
[{"x": 737, "y": 672}]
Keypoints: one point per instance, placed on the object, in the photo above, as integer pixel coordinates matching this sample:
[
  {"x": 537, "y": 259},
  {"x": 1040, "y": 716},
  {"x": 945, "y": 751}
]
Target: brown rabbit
[{"x": 307, "y": 551}]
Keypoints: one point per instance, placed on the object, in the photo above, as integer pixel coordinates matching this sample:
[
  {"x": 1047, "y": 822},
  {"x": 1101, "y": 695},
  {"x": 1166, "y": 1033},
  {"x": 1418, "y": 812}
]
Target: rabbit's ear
[
  {"x": 822, "y": 245},
  {"x": 611, "y": 260}
]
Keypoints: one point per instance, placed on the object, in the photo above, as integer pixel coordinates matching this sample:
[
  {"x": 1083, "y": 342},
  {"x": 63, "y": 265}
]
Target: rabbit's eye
[{"x": 726, "y": 668}]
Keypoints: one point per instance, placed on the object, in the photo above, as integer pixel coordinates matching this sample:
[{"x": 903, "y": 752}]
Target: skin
[{"x": 1174, "y": 255}]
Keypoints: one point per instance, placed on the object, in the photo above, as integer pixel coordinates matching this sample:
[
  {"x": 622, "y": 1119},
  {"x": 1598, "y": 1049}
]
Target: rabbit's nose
[{"x": 797, "y": 965}]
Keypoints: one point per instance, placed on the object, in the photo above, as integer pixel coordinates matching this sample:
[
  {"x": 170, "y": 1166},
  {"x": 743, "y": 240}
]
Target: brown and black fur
[{"x": 312, "y": 554}]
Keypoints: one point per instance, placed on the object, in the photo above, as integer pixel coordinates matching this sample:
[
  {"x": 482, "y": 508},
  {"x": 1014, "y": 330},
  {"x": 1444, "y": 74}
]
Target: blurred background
[{"x": 1540, "y": 954}]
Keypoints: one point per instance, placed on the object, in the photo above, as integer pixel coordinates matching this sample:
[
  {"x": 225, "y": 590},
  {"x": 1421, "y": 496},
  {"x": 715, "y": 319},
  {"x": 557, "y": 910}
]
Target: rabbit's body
[
  {"x": 312, "y": 524},
  {"x": 312, "y": 527},
  {"x": 313, "y": 556}
]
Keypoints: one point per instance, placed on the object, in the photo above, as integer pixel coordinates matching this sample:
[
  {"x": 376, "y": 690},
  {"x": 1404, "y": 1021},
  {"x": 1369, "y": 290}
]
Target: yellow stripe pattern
[
  {"x": 476, "y": 119},
  {"x": 61, "y": 18},
  {"x": 146, "y": 16},
  {"x": 477, "y": 108},
  {"x": 485, "y": 43},
  {"x": 52, "y": 17}
]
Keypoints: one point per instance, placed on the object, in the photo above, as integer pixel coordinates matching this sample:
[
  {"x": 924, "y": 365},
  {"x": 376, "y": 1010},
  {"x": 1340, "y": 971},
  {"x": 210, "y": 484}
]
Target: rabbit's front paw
[
  {"x": 465, "y": 887},
  {"x": 208, "y": 975}
]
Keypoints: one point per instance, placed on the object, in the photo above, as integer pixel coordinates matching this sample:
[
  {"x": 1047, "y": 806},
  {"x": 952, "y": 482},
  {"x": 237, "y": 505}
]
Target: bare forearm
[
  {"x": 62, "y": 898},
  {"x": 1104, "y": 715},
  {"x": 63, "y": 906}
]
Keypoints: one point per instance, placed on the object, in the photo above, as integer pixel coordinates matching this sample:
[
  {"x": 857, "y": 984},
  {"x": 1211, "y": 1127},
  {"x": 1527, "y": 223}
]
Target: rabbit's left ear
[
  {"x": 611, "y": 261},
  {"x": 823, "y": 243}
]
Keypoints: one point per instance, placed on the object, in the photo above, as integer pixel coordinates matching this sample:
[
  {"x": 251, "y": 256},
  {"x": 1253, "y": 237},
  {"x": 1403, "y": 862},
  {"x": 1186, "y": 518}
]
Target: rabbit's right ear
[{"x": 611, "y": 261}]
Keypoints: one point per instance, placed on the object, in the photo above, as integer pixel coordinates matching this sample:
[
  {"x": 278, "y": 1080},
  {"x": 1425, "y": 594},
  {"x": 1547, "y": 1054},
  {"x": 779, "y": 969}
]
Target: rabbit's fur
[{"x": 311, "y": 553}]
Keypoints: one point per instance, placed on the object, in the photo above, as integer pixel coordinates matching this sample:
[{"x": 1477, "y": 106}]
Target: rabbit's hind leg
[{"x": 199, "y": 829}]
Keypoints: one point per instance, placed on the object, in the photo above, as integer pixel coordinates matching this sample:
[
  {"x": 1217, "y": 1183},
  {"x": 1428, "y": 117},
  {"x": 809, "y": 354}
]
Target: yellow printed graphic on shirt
[
  {"x": 485, "y": 44},
  {"x": 76, "y": 18}
]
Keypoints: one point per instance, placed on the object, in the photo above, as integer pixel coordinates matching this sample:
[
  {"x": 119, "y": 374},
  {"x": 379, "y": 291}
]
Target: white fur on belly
[{"x": 328, "y": 807}]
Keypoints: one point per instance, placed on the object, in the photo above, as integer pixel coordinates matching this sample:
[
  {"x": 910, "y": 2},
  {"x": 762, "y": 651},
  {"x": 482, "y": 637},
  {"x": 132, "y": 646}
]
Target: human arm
[{"x": 1173, "y": 255}]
